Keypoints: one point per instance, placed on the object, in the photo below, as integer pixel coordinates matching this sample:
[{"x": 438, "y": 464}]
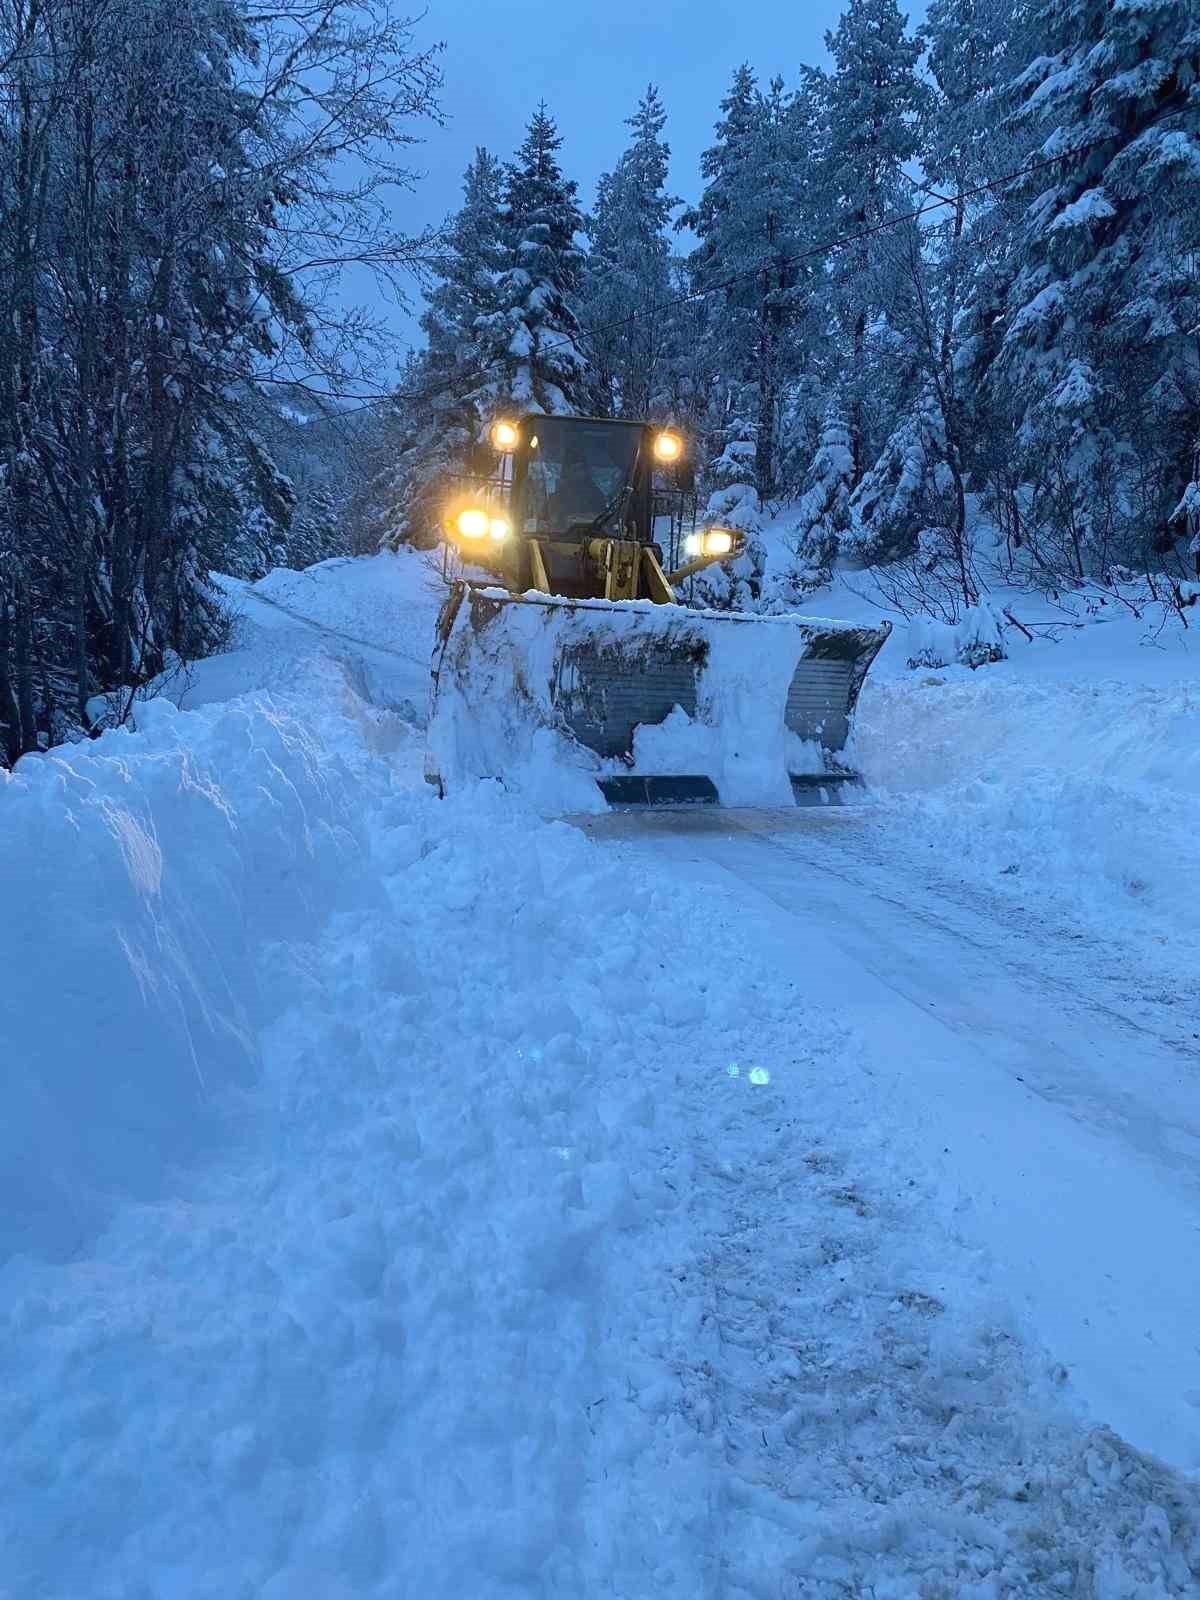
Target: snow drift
[
  {"x": 1082, "y": 795},
  {"x": 152, "y": 872}
]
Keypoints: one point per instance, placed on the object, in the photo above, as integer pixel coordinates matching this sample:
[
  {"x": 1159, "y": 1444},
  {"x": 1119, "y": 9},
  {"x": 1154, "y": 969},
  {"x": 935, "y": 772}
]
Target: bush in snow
[
  {"x": 976, "y": 639},
  {"x": 736, "y": 585}
]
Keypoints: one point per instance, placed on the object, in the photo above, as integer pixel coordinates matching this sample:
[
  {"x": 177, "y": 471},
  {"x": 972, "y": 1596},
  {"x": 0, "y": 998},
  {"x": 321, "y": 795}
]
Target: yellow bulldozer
[{"x": 565, "y": 641}]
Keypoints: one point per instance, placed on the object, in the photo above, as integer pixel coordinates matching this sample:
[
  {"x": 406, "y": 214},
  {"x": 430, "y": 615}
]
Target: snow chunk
[{"x": 1092, "y": 206}]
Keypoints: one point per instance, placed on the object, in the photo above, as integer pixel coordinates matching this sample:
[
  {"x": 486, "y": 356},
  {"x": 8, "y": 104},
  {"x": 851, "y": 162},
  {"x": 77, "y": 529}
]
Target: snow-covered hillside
[{"x": 417, "y": 1198}]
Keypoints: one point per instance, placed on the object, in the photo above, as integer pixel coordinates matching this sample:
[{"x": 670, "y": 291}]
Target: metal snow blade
[{"x": 653, "y": 705}]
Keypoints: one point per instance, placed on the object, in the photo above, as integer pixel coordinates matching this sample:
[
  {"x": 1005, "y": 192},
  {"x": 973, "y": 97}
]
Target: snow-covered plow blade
[{"x": 587, "y": 703}]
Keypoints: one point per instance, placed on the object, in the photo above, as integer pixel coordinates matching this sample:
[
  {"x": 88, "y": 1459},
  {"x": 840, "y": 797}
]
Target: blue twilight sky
[{"x": 590, "y": 60}]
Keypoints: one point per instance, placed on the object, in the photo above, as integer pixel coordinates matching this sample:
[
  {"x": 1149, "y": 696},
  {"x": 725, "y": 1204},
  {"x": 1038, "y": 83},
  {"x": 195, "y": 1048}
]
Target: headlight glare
[{"x": 474, "y": 523}]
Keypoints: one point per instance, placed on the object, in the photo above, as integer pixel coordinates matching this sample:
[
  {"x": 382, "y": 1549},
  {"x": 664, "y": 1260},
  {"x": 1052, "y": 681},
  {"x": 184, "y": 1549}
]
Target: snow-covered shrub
[
  {"x": 974, "y": 641},
  {"x": 734, "y": 585},
  {"x": 907, "y": 488}
]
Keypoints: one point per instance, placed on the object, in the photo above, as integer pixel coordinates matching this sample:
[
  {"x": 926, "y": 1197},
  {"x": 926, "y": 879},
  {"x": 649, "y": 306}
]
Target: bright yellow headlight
[
  {"x": 505, "y": 436},
  {"x": 718, "y": 542},
  {"x": 474, "y": 523},
  {"x": 668, "y": 446},
  {"x": 499, "y": 528}
]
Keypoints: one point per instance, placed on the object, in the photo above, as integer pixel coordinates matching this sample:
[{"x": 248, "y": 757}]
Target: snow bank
[
  {"x": 152, "y": 871},
  {"x": 387, "y": 600},
  {"x": 1081, "y": 796},
  {"x": 559, "y": 1250}
]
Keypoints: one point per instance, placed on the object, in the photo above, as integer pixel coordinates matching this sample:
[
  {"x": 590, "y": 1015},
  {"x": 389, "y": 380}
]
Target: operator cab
[
  {"x": 586, "y": 508},
  {"x": 577, "y": 478}
]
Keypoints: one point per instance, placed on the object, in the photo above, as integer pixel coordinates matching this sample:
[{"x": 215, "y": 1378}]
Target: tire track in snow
[
  {"x": 873, "y": 1426},
  {"x": 1072, "y": 1140}
]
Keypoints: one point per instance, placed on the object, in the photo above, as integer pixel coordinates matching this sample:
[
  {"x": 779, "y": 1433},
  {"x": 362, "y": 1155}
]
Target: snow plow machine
[{"x": 566, "y": 665}]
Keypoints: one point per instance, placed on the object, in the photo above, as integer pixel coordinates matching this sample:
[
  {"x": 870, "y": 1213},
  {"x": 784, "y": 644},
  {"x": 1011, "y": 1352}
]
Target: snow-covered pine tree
[
  {"x": 438, "y": 415},
  {"x": 531, "y": 347},
  {"x": 1099, "y": 356},
  {"x": 468, "y": 295},
  {"x": 406, "y": 463},
  {"x": 918, "y": 479},
  {"x": 628, "y": 272},
  {"x": 874, "y": 101},
  {"x": 823, "y": 509},
  {"x": 749, "y": 223}
]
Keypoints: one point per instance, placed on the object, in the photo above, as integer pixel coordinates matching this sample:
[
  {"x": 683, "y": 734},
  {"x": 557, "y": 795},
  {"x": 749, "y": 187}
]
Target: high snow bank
[
  {"x": 1082, "y": 796},
  {"x": 387, "y": 600},
  {"x": 146, "y": 875}
]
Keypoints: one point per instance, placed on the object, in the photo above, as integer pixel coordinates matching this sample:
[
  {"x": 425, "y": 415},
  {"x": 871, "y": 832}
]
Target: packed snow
[{"x": 453, "y": 1210}]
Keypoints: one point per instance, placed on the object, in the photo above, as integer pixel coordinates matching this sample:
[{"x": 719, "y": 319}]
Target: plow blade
[{"x": 587, "y": 703}]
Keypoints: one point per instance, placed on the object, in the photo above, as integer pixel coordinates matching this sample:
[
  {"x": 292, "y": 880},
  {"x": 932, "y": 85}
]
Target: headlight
[
  {"x": 718, "y": 542},
  {"x": 499, "y": 528},
  {"x": 474, "y": 523},
  {"x": 668, "y": 446},
  {"x": 505, "y": 436},
  {"x": 712, "y": 542}
]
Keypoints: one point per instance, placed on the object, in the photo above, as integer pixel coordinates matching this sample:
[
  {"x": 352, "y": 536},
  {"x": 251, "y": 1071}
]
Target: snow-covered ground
[{"x": 416, "y": 1198}]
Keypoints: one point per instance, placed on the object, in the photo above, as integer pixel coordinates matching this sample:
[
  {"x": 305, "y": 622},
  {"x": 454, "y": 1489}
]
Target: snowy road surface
[
  {"x": 410, "y": 1200},
  {"x": 1034, "y": 1070}
]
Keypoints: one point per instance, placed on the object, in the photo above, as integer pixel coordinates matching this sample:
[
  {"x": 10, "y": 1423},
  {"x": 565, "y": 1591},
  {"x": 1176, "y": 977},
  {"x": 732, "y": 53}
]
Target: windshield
[{"x": 577, "y": 475}]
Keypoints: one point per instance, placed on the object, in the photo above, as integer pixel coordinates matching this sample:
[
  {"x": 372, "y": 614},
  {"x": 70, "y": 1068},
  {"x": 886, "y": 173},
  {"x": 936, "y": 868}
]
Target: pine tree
[
  {"x": 439, "y": 414},
  {"x": 1099, "y": 356},
  {"x": 467, "y": 297},
  {"x": 628, "y": 273},
  {"x": 823, "y": 510},
  {"x": 874, "y": 103},
  {"x": 409, "y": 463},
  {"x": 531, "y": 344},
  {"x": 749, "y": 222}
]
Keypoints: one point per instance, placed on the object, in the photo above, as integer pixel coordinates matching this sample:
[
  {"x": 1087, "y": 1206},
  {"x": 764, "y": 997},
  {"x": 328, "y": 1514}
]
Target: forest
[{"x": 932, "y": 311}]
